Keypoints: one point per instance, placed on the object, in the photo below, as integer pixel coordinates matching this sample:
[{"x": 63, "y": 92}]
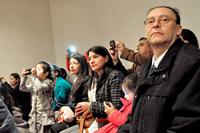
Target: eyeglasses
[{"x": 162, "y": 20}]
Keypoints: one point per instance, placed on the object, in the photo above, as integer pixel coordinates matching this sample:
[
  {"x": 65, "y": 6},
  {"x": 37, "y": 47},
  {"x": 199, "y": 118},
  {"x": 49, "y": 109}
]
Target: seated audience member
[
  {"x": 78, "y": 66},
  {"x": 16, "y": 113},
  {"x": 143, "y": 54},
  {"x": 61, "y": 90},
  {"x": 22, "y": 100},
  {"x": 64, "y": 75},
  {"x": 189, "y": 37},
  {"x": 4, "y": 94},
  {"x": 119, "y": 117},
  {"x": 41, "y": 88},
  {"x": 167, "y": 89},
  {"x": 104, "y": 85}
]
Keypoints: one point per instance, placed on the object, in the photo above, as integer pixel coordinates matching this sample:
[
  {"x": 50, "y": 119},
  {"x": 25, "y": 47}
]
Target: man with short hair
[
  {"x": 168, "y": 90},
  {"x": 139, "y": 57}
]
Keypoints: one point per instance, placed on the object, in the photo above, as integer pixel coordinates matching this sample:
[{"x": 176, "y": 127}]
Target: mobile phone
[
  {"x": 108, "y": 104},
  {"x": 112, "y": 45},
  {"x": 28, "y": 71}
]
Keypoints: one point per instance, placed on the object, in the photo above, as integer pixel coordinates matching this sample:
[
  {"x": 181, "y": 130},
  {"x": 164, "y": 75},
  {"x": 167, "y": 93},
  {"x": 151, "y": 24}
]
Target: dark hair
[
  {"x": 63, "y": 73},
  {"x": 108, "y": 66},
  {"x": 174, "y": 10},
  {"x": 46, "y": 68},
  {"x": 130, "y": 81},
  {"x": 83, "y": 71},
  {"x": 189, "y": 36},
  {"x": 55, "y": 68},
  {"x": 83, "y": 65},
  {"x": 100, "y": 50},
  {"x": 15, "y": 75},
  {"x": 142, "y": 38}
]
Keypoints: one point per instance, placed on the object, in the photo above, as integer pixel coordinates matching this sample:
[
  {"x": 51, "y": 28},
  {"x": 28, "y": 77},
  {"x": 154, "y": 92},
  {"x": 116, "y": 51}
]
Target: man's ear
[{"x": 178, "y": 30}]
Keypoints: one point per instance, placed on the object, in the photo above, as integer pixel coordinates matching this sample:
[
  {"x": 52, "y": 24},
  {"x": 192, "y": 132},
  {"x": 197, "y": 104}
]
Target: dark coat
[
  {"x": 168, "y": 101},
  {"x": 79, "y": 93},
  {"x": 21, "y": 100}
]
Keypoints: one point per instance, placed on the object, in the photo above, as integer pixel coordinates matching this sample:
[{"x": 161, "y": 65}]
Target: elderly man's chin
[{"x": 156, "y": 41}]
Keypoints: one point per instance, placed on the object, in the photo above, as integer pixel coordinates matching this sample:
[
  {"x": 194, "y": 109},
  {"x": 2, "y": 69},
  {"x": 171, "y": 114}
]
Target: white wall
[
  {"x": 25, "y": 35},
  {"x": 95, "y": 22},
  {"x": 34, "y": 30}
]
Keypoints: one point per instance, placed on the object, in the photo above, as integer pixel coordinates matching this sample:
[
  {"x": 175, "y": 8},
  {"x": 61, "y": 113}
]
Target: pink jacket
[{"x": 117, "y": 118}]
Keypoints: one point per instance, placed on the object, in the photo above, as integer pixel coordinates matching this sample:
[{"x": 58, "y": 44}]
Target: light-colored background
[{"x": 34, "y": 30}]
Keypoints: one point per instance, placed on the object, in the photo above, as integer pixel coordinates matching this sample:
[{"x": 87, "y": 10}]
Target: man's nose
[
  {"x": 156, "y": 24},
  {"x": 138, "y": 47}
]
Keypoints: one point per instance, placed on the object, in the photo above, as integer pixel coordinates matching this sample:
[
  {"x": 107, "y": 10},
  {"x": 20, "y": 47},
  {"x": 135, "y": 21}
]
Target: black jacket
[
  {"x": 168, "y": 101},
  {"x": 79, "y": 94}
]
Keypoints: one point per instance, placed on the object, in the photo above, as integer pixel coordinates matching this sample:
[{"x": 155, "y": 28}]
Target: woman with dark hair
[
  {"x": 104, "y": 85},
  {"x": 21, "y": 99},
  {"x": 78, "y": 66},
  {"x": 189, "y": 37}
]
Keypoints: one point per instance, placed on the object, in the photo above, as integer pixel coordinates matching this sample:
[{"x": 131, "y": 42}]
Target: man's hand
[
  {"x": 114, "y": 55},
  {"x": 120, "y": 46}
]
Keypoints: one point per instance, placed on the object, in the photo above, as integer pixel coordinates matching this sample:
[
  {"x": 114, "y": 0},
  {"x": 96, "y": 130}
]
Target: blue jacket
[{"x": 61, "y": 93}]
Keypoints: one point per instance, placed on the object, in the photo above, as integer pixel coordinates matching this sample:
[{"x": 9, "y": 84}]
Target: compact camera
[
  {"x": 28, "y": 71},
  {"x": 112, "y": 45}
]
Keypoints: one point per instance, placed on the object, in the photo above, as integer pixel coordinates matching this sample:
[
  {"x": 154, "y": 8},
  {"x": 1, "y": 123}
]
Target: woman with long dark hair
[
  {"x": 104, "y": 85},
  {"x": 78, "y": 66}
]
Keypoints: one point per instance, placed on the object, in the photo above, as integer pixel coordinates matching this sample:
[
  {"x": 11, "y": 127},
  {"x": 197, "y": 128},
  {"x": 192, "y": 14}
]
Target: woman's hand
[
  {"x": 108, "y": 108},
  {"x": 81, "y": 107}
]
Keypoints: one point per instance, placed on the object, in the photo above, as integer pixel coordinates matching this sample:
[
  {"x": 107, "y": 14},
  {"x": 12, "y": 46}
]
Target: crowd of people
[{"x": 159, "y": 94}]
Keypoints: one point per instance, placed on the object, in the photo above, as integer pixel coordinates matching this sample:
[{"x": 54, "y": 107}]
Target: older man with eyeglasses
[{"x": 168, "y": 97}]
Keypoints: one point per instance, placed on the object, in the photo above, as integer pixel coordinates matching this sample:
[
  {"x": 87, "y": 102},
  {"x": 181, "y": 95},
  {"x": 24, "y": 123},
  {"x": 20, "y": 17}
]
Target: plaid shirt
[{"x": 110, "y": 91}]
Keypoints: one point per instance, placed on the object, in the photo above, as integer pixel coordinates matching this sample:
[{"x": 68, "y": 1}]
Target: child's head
[
  {"x": 128, "y": 86},
  {"x": 43, "y": 70}
]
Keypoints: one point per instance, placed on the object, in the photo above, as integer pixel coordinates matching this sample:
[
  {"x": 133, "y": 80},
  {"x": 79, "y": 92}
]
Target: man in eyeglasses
[{"x": 168, "y": 97}]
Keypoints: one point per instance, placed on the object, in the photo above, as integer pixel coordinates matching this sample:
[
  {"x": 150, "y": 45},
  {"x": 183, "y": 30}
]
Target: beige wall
[
  {"x": 25, "y": 35},
  {"x": 34, "y": 30},
  {"x": 95, "y": 22}
]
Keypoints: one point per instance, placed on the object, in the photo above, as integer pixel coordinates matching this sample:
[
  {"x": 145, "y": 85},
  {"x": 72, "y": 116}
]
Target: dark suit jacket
[{"x": 168, "y": 100}]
